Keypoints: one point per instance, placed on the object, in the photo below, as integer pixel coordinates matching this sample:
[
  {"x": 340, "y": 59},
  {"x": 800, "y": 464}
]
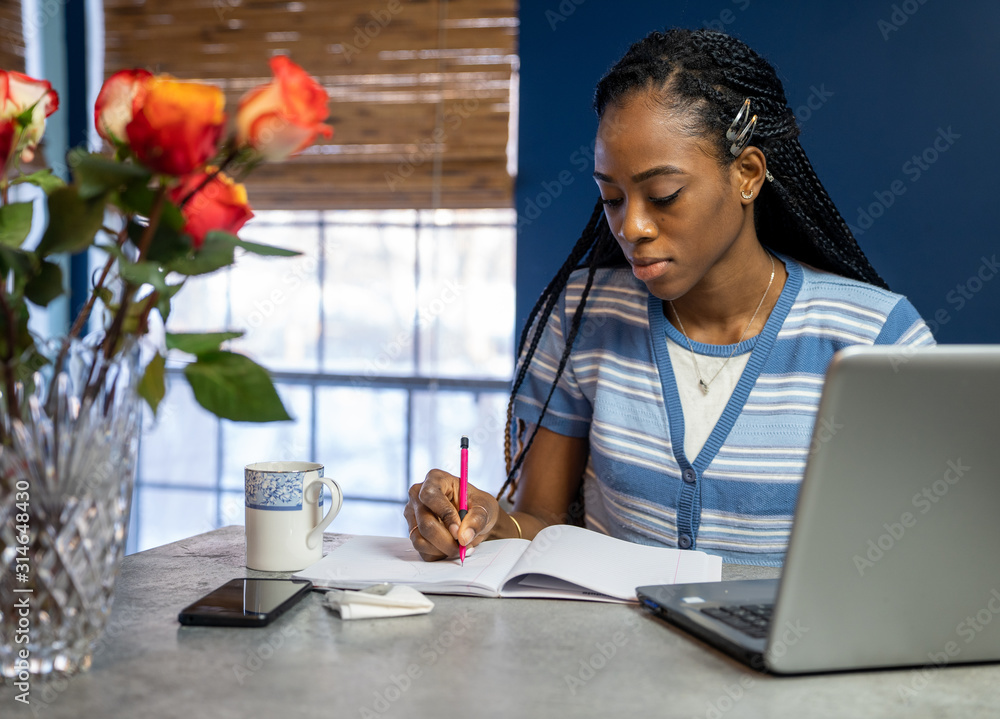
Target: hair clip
[
  {"x": 740, "y": 132},
  {"x": 768, "y": 176}
]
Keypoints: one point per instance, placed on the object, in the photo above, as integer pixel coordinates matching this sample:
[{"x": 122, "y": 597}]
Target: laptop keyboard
[{"x": 751, "y": 619}]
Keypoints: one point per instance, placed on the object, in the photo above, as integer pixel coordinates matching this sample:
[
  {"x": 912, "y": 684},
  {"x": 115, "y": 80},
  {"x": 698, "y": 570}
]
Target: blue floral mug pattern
[{"x": 284, "y": 514}]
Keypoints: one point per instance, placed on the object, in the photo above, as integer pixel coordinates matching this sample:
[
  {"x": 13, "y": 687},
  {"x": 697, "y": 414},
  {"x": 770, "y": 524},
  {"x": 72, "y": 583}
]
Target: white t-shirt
[{"x": 702, "y": 411}]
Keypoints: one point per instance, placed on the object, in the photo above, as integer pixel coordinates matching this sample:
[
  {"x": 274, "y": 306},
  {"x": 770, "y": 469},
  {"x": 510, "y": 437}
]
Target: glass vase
[{"x": 67, "y": 468}]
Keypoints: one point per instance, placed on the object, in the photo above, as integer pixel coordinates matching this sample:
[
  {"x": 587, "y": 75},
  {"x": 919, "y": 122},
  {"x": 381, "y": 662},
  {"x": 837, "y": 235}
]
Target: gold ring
[{"x": 415, "y": 526}]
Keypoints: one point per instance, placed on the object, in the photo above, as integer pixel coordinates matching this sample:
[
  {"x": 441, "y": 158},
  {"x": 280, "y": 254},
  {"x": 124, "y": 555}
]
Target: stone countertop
[{"x": 482, "y": 657}]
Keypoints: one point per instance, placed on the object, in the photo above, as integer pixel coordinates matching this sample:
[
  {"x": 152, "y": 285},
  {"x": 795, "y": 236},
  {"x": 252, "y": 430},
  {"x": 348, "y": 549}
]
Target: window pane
[
  {"x": 181, "y": 446},
  {"x": 275, "y": 300},
  {"x": 466, "y": 301},
  {"x": 444, "y": 418},
  {"x": 361, "y": 439},
  {"x": 166, "y": 515},
  {"x": 246, "y": 442},
  {"x": 369, "y": 299},
  {"x": 201, "y": 306}
]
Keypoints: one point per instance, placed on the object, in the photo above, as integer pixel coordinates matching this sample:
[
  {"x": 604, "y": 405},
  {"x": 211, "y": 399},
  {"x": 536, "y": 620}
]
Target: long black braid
[{"x": 707, "y": 75}]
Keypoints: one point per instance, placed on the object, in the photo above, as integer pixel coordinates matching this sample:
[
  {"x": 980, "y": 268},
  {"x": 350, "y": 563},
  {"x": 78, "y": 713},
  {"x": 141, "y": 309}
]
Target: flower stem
[
  {"x": 211, "y": 176},
  {"x": 154, "y": 220},
  {"x": 8, "y": 360}
]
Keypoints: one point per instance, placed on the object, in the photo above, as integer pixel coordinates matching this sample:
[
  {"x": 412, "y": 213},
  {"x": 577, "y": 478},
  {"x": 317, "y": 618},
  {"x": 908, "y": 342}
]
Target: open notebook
[{"x": 561, "y": 562}]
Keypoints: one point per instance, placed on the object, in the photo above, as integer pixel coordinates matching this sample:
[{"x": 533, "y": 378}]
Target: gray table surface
[{"x": 469, "y": 657}]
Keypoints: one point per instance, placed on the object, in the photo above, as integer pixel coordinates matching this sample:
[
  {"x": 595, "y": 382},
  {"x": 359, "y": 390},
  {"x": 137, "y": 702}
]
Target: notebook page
[
  {"x": 363, "y": 560},
  {"x": 611, "y": 566}
]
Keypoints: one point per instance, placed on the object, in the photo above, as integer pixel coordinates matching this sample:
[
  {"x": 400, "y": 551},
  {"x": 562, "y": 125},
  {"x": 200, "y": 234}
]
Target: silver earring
[{"x": 746, "y": 195}]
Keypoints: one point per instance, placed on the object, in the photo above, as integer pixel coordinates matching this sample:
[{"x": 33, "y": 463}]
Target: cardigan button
[
  {"x": 689, "y": 475},
  {"x": 684, "y": 541}
]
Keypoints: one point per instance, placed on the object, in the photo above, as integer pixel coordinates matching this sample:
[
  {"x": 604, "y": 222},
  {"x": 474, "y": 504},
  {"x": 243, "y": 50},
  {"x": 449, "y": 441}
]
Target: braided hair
[{"x": 706, "y": 75}]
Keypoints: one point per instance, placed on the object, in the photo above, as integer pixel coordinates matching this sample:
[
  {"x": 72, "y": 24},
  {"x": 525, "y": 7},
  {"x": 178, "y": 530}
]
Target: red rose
[
  {"x": 113, "y": 109},
  {"x": 220, "y": 205},
  {"x": 286, "y": 115},
  {"x": 175, "y": 126},
  {"x": 18, "y": 93}
]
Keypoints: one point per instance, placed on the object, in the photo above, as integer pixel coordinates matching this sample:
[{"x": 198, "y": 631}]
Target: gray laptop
[{"x": 894, "y": 555}]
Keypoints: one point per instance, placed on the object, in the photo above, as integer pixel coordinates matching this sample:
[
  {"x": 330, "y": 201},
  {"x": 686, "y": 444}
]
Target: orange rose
[
  {"x": 220, "y": 205},
  {"x": 113, "y": 109},
  {"x": 285, "y": 116},
  {"x": 175, "y": 125},
  {"x": 18, "y": 94}
]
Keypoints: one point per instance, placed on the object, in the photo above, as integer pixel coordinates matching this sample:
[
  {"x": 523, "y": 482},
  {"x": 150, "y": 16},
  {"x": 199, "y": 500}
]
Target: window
[{"x": 389, "y": 337}]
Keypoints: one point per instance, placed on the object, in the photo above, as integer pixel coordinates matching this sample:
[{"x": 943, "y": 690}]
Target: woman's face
[{"x": 673, "y": 210}]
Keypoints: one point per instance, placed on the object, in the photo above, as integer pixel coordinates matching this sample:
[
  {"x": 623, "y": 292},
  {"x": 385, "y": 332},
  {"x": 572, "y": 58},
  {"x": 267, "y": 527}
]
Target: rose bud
[
  {"x": 286, "y": 115},
  {"x": 220, "y": 205},
  {"x": 18, "y": 93}
]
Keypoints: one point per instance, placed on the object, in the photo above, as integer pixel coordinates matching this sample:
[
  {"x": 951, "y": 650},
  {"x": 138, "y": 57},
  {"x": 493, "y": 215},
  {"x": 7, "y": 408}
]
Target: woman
[{"x": 670, "y": 373}]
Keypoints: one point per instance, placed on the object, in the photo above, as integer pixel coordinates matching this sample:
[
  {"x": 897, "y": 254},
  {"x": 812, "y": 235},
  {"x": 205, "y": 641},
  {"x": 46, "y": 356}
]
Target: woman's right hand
[{"x": 432, "y": 516}]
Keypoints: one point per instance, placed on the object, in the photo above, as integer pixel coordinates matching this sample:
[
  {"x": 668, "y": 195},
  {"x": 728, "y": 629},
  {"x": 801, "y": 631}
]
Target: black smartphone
[{"x": 245, "y": 602}]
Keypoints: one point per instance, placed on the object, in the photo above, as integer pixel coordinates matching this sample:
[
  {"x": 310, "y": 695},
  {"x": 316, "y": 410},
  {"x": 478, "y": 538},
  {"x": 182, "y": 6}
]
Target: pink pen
[{"x": 463, "y": 491}]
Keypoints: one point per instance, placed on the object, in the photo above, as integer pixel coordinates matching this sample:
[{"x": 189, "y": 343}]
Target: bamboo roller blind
[
  {"x": 420, "y": 90},
  {"x": 11, "y": 36}
]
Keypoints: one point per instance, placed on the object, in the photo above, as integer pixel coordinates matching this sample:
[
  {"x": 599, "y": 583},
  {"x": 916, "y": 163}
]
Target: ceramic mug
[{"x": 284, "y": 514}]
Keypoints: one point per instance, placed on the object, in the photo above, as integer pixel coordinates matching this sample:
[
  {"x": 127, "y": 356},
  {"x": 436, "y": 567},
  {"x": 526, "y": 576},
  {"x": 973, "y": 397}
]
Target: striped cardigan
[{"x": 737, "y": 497}]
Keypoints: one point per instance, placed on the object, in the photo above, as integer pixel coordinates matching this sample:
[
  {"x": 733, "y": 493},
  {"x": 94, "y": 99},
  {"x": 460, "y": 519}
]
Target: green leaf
[
  {"x": 138, "y": 199},
  {"x": 167, "y": 243},
  {"x": 46, "y": 285},
  {"x": 254, "y": 247},
  {"x": 235, "y": 387},
  {"x": 152, "y": 386},
  {"x": 21, "y": 263},
  {"x": 143, "y": 273},
  {"x": 43, "y": 179},
  {"x": 163, "y": 302},
  {"x": 199, "y": 343},
  {"x": 215, "y": 254},
  {"x": 15, "y": 223},
  {"x": 105, "y": 295},
  {"x": 22, "y": 338},
  {"x": 96, "y": 175},
  {"x": 73, "y": 222}
]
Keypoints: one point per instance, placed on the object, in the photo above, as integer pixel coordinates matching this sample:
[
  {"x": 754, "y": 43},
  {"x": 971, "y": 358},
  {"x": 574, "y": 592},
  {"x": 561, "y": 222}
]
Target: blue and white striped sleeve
[
  {"x": 905, "y": 326},
  {"x": 569, "y": 411}
]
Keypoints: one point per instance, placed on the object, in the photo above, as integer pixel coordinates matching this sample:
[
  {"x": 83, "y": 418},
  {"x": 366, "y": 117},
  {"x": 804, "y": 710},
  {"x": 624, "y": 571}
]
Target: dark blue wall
[{"x": 887, "y": 81}]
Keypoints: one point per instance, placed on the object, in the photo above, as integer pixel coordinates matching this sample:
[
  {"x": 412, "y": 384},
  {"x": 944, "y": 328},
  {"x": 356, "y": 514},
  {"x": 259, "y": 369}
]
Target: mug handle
[{"x": 315, "y": 537}]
